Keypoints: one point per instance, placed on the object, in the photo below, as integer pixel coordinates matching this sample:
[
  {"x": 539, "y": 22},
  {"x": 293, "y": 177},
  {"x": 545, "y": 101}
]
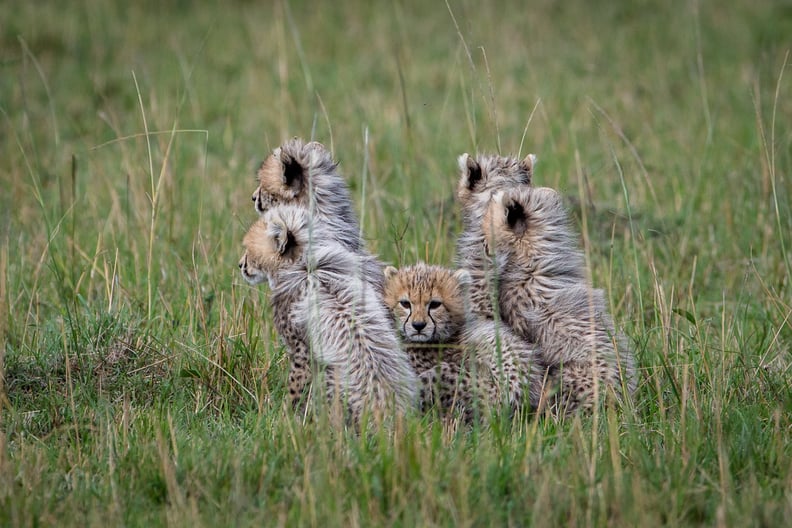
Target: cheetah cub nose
[{"x": 419, "y": 325}]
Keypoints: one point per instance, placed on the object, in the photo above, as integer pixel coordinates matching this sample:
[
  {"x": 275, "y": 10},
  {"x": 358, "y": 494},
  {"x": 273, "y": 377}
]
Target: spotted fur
[
  {"x": 327, "y": 313},
  {"x": 545, "y": 296},
  {"x": 462, "y": 358}
]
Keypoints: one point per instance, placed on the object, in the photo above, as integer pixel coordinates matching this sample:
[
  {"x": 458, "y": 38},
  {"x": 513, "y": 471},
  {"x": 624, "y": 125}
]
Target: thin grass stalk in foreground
[
  {"x": 493, "y": 106},
  {"x": 309, "y": 85},
  {"x": 5, "y": 303},
  {"x": 150, "y": 133},
  {"x": 474, "y": 72},
  {"x": 780, "y": 233},
  {"x": 633, "y": 234},
  {"x": 585, "y": 200},
  {"x": 70, "y": 393},
  {"x": 631, "y": 147},
  {"x": 327, "y": 122},
  {"x": 153, "y": 199},
  {"x": 702, "y": 78},
  {"x": 527, "y": 125},
  {"x": 224, "y": 371}
]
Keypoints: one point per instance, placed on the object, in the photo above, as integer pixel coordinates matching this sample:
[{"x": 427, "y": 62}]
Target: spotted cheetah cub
[
  {"x": 325, "y": 313},
  {"x": 479, "y": 178},
  {"x": 305, "y": 174},
  {"x": 546, "y": 298},
  {"x": 461, "y": 358}
]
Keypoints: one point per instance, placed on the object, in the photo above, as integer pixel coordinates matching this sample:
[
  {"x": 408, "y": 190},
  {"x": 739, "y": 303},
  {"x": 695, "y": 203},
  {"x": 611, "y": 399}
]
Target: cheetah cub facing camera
[
  {"x": 462, "y": 359},
  {"x": 325, "y": 313},
  {"x": 480, "y": 177},
  {"x": 546, "y": 299}
]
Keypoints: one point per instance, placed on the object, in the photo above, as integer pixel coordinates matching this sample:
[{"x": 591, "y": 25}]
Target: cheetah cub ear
[
  {"x": 464, "y": 281},
  {"x": 527, "y": 164},
  {"x": 463, "y": 277},
  {"x": 390, "y": 273},
  {"x": 315, "y": 145},
  {"x": 471, "y": 171},
  {"x": 516, "y": 217},
  {"x": 292, "y": 172},
  {"x": 283, "y": 239}
]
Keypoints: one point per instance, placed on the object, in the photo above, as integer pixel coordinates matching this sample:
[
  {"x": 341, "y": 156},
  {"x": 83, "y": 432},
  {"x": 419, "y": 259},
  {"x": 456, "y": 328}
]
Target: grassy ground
[{"x": 141, "y": 378}]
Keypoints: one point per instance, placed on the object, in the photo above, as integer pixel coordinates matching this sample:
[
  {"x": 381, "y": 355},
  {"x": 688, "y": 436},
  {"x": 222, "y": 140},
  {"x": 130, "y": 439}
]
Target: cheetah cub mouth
[
  {"x": 250, "y": 273},
  {"x": 419, "y": 331}
]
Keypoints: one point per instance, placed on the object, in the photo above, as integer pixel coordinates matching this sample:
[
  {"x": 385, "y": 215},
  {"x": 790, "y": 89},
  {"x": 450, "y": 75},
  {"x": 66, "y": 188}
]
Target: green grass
[{"x": 142, "y": 382}]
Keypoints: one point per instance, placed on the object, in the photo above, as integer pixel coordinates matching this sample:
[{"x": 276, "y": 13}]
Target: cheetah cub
[
  {"x": 325, "y": 313},
  {"x": 305, "y": 174},
  {"x": 461, "y": 358},
  {"x": 479, "y": 178},
  {"x": 546, "y": 298}
]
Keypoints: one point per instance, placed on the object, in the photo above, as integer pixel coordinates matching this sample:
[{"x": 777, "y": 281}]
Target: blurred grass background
[{"x": 141, "y": 381}]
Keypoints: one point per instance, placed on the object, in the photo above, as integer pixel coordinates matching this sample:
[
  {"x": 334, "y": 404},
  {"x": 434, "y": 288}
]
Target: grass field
[{"x": 141, "y": 381}]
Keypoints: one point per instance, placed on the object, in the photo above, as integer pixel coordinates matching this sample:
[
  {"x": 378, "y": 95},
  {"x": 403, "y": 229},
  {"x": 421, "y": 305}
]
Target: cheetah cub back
[
  {"x": 461, "y": 358},
  {"x": 545, "y": 296},
  {"x": 326, "y": 314},
  {"x": 480, "y": 177}
]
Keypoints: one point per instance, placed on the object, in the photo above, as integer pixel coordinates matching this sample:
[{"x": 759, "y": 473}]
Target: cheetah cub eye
[
  {"x": 434, "y": 304},
  {"x": 405, "y": 304}
]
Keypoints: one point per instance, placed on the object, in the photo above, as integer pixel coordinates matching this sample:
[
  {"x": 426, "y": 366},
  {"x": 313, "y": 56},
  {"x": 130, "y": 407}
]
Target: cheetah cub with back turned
[
  {"x": 546, "y": 299},
  {"x": 480, "y": 177},
  {"x": 323, "y": 312},
  {"x": 462, "y": 359},
  {"x": 306, "y": 174}
]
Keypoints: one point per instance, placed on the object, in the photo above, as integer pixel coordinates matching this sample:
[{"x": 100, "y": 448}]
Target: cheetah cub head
[
  {"x": 527, "y": 221},
  {"x": 427, "y": 302},
  {"x": 283, "y": 176},
  {"x": 275, "y": 241},
  {"x": 483, "y": 175}
]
